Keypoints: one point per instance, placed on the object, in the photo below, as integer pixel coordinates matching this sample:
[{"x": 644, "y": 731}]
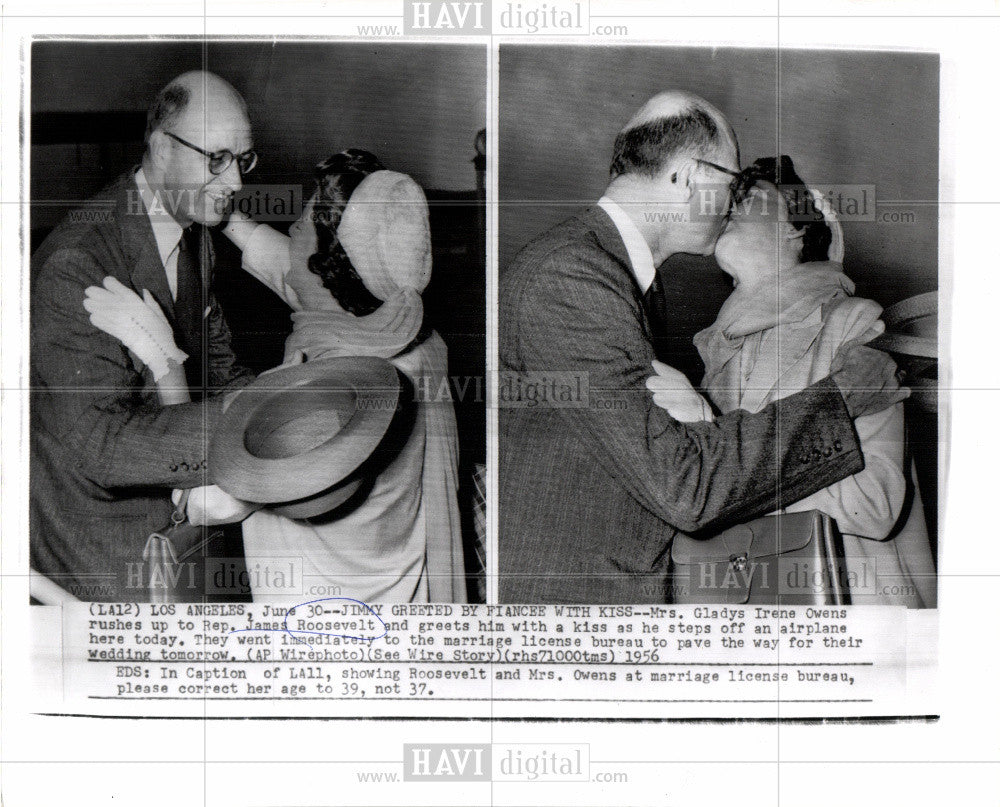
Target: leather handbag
[
  {"x": 785, "y": 559},
  {"x": 174, "y": 559}
]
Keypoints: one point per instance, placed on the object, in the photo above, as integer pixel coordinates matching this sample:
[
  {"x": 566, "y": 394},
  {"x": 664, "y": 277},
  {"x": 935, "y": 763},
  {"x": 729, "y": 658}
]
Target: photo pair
[
  {"x": 260, "y": 367},
  {"x": 496, "y": 403}
]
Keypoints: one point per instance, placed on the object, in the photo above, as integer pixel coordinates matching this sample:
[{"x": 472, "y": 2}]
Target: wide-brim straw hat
[{"x": 295, "y": 438}]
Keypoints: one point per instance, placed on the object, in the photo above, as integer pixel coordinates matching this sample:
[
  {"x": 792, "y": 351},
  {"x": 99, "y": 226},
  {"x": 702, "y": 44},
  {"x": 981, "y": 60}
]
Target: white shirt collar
[
  {"x": 639, "y": 254},
  {"x": 166, "y": 231}
]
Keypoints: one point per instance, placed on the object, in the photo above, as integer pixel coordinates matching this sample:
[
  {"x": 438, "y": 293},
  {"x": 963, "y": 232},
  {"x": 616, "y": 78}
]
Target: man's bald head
[
  {"x": 195, "y": 121},
  {"x": 668, "y": 126},
  {"x": 194, "y": 95}
]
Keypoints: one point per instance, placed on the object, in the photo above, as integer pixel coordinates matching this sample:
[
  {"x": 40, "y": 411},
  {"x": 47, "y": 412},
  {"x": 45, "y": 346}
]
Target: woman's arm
[
  {"x": 673, "y": 392},
  {"x": 172, "y": 388},
  {"x": 139, "y": 324},
  {"x": 239, "y": 228}
]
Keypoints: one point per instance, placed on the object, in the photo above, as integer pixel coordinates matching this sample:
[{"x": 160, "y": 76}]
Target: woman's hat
[
  {"x": 385, "y": 231},
  {"x": 294, "y": 438}
]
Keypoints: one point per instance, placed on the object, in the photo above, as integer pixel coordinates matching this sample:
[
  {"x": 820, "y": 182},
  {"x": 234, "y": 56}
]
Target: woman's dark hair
[
  {"x": 336, "y": 179},
  {"x": 802, "y": 209}
]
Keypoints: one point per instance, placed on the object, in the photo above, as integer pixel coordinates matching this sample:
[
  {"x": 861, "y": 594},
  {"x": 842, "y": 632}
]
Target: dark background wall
[
  {"x": 417, "y": 106},
  {"x": 844, "y": 117}
]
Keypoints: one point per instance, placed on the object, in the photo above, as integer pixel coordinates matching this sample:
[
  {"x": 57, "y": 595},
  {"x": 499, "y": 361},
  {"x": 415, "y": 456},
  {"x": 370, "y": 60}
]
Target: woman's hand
[
  {"x": 136, "y": 322},
  {"x": 673, "y": 392}
]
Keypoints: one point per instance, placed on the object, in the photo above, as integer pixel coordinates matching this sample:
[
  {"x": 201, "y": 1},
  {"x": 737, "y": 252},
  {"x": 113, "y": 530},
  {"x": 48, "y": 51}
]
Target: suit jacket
[
  {"x": 104, "y": 453},
  {"x": 593, "y": 490}
]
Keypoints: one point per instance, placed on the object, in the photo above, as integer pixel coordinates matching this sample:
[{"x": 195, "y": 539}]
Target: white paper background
[{"x": 53, "y": 761}]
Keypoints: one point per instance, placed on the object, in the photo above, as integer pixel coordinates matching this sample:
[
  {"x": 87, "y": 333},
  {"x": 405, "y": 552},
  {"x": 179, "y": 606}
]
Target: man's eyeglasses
[
  {"x": 742, "y": 181},
  {"x": 219, "y": 161}
]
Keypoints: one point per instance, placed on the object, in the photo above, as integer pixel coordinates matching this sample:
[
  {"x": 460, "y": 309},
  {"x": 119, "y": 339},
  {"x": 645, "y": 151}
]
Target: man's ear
[
  {"x": 677, "y": 179},
  {"x": 158, "y": 149},
  {"x": 682, "y": 174}
]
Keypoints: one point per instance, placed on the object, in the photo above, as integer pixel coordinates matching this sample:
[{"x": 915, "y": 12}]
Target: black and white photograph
[
  {"x": 717, "y": 267},
  {"x": 470, "y": 402},
  {"x": 256, "y": 269}
]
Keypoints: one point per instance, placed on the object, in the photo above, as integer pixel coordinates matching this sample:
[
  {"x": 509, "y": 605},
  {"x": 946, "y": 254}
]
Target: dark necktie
[
  {"x": 655, "y": 300},
  {"x": 189, "y": 307}
]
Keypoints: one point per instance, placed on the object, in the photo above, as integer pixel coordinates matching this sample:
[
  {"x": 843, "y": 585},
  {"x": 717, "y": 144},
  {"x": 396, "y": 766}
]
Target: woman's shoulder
[{"x": 850, "y": 317}]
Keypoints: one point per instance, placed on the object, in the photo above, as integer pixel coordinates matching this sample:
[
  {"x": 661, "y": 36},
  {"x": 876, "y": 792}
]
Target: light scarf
[
  {"x": 385, "y": 332},
  {"x": 789, "y": 296},
  {"x": 791, "y": 299}
]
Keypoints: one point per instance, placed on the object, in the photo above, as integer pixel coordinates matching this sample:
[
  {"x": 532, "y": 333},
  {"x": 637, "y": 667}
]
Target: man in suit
[
  {"x": 104, "y": 452},
  {"x": 593, "y": 488}
]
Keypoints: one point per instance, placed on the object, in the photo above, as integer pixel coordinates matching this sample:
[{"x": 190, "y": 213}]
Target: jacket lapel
[
  {"x": 142, "y": 257},
  {"x": 610, "y": 241}
]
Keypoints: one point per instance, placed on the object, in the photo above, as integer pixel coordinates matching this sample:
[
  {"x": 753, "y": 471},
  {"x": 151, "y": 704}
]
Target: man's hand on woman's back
[{"x": 867, "y": 378}]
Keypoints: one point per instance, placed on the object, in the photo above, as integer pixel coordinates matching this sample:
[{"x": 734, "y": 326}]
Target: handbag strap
[
  {"x": 177, "y": 517},
  {"x": 161, "y": 550}
]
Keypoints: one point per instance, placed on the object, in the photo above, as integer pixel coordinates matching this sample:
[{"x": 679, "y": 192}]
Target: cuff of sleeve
[
  {"x": 160, "y": 366},
  {"x": 266, "y": 254}
]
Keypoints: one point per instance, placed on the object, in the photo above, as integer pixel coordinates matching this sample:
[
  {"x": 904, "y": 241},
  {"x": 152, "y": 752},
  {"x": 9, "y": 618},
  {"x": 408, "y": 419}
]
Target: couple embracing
[
  {"x": 799, "y": 415},
  {"x": 132, "y": 366}
]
